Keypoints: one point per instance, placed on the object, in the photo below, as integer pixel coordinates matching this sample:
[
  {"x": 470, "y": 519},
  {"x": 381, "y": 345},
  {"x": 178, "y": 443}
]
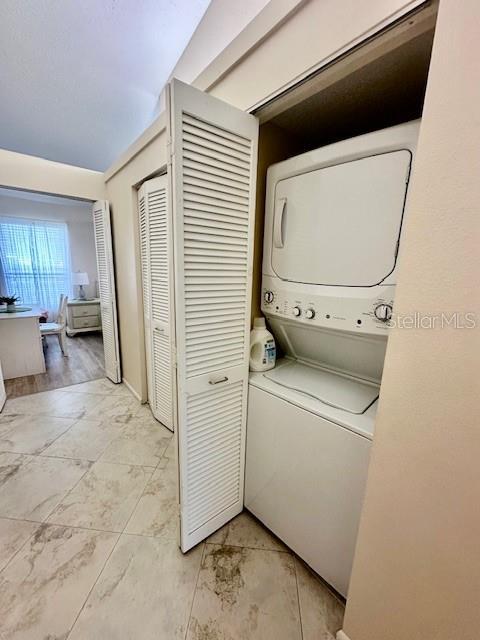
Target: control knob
[
  {"x": 296, "y": 311},
  {"x": 268, "y": 296},
  {"x": 383, "y": 312},
  {"x": 310, "y": 314}
]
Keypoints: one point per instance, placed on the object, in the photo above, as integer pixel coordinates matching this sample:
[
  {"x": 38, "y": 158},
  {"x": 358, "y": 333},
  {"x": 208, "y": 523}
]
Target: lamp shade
[{"x": 80, "y": 277}]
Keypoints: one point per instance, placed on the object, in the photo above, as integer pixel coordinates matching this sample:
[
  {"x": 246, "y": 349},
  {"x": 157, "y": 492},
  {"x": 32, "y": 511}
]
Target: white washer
[
  {"x": 333, "y": 222},
  {"x": 306, "y": 469}
]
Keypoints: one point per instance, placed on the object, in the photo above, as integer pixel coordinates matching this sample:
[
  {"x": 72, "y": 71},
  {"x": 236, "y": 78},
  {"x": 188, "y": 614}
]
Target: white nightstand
[{"x": 83, "y": 316}]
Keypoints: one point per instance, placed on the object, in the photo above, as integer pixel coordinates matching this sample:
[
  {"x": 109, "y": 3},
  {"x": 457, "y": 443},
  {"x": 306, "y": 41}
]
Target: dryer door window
[{"x": 340, "y": 225}]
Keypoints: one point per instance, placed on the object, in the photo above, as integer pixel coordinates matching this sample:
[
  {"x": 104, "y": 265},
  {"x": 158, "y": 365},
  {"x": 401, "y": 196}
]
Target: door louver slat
[
  {"x": 221, "y": 133},
  {"x": 220, "y": 425},
  {"x": 201, "y": 178},
  {"x": 215, "y": 157},
  {"x": 211, "y": 146},
  {"x": 207, "y": 507},
  {"x": 223, "y": 411},
  {"x": 205, "y": 189},
  {"x": 205, "y": 215},
  {"x": 221, "y": 404},
  {"x": 240, "y": 230},
  {"x": 198, "y": 158},
  {"x": 220, "y": 175},
  {"x": 203, "y": 130}
]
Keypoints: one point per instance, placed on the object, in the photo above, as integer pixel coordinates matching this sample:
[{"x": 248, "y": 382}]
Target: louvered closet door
[
  {"x": 144, "y": 258},
  {"x": 214, "y": 153},
  {"x": 156, "y": 250},
  {"x": 106, "y": 286}
]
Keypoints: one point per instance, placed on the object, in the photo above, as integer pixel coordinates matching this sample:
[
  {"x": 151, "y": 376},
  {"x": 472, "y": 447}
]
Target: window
[{"x": 35, "y": 261}]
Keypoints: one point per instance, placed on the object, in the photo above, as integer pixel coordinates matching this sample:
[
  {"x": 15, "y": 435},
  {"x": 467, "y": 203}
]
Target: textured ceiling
[{"x": 80, "y": 79}]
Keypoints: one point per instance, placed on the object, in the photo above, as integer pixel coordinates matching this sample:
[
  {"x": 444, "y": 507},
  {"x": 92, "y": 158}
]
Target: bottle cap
[{"x": 259, "y": 323}]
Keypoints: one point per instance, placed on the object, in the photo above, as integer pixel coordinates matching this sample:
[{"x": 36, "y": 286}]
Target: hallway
[{"x": 88, "y": 536}]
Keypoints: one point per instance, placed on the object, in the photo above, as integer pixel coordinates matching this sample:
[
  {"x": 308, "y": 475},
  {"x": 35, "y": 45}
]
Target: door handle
[
  {"x": 218, "y": 380},
  {"x": 159, "y": 329},
  {"x": 280, "y": 207}
]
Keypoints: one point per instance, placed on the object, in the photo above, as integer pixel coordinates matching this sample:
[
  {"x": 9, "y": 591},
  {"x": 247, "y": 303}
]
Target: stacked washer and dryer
[{"x": 333, "y": 225}]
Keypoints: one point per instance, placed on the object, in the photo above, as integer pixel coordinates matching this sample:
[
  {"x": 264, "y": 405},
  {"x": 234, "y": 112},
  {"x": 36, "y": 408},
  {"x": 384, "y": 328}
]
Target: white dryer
[{"x": 332, "y": 233}]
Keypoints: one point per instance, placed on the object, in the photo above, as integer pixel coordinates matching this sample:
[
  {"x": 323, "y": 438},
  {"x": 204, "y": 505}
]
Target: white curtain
[{"x": 35, "y": 261}]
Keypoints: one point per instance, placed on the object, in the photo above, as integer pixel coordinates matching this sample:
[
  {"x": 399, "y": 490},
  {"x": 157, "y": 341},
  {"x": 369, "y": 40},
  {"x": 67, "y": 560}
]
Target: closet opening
[{"x": 334, "y": 164}]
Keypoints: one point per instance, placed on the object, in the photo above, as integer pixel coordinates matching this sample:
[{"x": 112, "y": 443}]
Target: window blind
[{"x": 35, "y": 261}]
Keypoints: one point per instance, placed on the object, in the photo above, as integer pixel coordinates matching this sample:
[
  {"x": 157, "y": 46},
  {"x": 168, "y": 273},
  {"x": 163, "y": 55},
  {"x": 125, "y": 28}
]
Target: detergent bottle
[{"x": 262, "y": 347}]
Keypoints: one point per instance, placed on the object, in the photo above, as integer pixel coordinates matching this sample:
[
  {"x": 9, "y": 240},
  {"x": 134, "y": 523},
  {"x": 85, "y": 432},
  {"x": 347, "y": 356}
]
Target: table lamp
[{"x": 80, "y": 278}]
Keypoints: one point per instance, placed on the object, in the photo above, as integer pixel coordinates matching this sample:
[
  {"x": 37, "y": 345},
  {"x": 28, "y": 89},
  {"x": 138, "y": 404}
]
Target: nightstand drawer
[
  {"x": 85, "y": 323},
  {"x": 78, "y": 311}
]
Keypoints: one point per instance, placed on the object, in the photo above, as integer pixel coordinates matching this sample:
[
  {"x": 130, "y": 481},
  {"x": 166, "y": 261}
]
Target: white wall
[
  {"x": 416, "y": 572},
  {"x": 77, "y": 215},
  {"x": 19, "y": 171},
  {"x": 222, "y": 22}
]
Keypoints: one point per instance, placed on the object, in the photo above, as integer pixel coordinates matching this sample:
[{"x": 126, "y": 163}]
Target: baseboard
[
  {"x": 132, "y": 390},
  {"x": 341, "y": 635}
]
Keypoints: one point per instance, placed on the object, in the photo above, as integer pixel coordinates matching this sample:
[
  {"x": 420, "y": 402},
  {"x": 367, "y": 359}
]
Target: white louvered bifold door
[
  {"x": 214, "y": 155},
  {"x": 156, "y": 254},
  {"x": 144, "y": 259},
  {"x": 106, "y": 287}
]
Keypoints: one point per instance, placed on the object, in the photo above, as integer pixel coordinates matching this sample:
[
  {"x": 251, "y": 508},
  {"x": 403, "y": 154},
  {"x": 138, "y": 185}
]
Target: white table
[{"x": 21, "y": 352}]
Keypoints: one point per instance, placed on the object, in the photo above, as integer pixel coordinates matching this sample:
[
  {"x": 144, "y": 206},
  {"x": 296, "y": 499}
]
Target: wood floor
[{"x": 85, "y": 362}]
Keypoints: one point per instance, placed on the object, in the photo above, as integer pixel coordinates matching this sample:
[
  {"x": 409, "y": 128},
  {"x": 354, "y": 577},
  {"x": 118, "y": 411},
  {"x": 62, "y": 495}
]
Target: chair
[{"x": 57, "y": 328}]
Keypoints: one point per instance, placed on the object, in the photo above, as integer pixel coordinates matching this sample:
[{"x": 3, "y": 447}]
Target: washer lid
[
  {"x": 340, "y": 225},
  {"x": 334, "y": 389}
]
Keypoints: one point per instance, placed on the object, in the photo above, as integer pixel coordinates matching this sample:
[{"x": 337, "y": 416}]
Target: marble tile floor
[{"x": 89, "y": 529}]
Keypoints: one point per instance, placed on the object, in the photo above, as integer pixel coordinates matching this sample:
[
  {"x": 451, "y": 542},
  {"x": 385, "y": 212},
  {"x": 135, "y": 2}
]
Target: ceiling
[{"x": 81, "y": 79}]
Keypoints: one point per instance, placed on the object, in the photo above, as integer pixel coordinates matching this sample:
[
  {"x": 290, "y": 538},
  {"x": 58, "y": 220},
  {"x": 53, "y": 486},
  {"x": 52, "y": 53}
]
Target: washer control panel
[{"x": 365, "y": 310}]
